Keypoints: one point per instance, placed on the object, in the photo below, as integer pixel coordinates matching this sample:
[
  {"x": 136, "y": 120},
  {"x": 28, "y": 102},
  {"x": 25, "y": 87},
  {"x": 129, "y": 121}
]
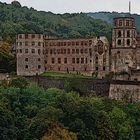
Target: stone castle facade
[{"x": 37, "y": 53}]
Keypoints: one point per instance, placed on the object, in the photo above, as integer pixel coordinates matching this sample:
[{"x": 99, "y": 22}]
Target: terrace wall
[{"x": 114, "y": 89}]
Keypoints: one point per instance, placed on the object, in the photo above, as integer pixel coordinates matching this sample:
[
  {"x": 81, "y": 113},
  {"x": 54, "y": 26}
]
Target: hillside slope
[
  {"x": 108, "y": 17},
  {"x": 16, "y": 19}
]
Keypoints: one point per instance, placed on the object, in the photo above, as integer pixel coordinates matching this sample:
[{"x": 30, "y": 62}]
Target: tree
[
  {"x": 123, "y": 128},
  {"x": 7, "y": 127},
  {"x": 7, "y": 60},
  {"x": 59, "y": 133},
  {"x": 19, "y": 82}
]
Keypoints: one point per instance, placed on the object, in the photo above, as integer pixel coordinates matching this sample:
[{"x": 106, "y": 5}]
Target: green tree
[{"x": 19, "y": 82}]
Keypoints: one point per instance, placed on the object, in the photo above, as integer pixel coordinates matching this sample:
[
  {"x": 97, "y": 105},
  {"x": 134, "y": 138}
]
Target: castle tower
[
  {"x": 30, "y": 57},
  {"x": 123, "y": 44}
]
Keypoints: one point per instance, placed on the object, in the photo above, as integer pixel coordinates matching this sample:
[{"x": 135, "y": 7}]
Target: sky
[{"x": 76, "y": 6}]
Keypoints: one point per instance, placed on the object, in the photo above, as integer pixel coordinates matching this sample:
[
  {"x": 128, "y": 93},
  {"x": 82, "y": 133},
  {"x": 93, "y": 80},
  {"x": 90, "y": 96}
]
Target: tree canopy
[
  {"x": 15, "y": 19},
  {"x": 34, "y": 113}
]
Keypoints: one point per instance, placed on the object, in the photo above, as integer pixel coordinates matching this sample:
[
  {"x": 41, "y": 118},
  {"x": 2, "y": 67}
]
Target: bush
[{"x": 19, "y": 82}]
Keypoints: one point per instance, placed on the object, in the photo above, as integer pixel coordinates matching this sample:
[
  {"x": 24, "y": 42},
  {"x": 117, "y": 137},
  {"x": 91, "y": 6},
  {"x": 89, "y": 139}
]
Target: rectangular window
[
  {"x": 46, "y": 51},
  {"x": 77, "y": 60},
  {"x": 86, "y": 43},
  {"x": 86, "y": 60},
  {"x": 128, "y": 33},
  {"x": 73, "y": 43},
  {"x": 33, "y": 50},
  {"x": 120, "y": 22},
  {"x": 90, "y": 42},
  {"x": 39, "y": 43},
  {"x": 53, "y": 60},
  {"x": 127, "y": 22},
  {"x": 61, "y": 43},
  {"x": 82, "y": 60},
  {"x": 68, "y": 51},
  {"x": 69, "y": 43},
  {"x": 46, "y": 44},
  {"x": 39, "y": 51},
  {"x": 81, "y": 51},
  {"x": 51, "y": 51},
  {"x": 39, "y": 66},
  {"x": 77, "y": 43},
  {"x": 73, "y": 60},
  {"x": 26, "y": 50},
  {"x": 26, "y": 66},
  {"x": 20, "y": 43},
  {"x": 58, "y": 51},
  {"x": 26, "y": 36},
  {"x": 45, "y": 61},
  {"x": 39, "y": 59},
  {"x": 33, "y": 36},
  {"x": 26, "y": 59},
  {"x": 104, "y": 68},
  {"x": 65, "y": 60},
  {"x": 59, "y": 60},
  {"x": 39, "y": 36},
  {"x": 20, "y": 36},
  {"x": 33, "y": 43},
  {"x": 26, "y": 43},
  {"x": 86, "y": 51},
  {"x": 20, "y": 50},
  {"x": 96, "y": 68},
  {"x": 64, "y": 51},
  {"x": 58, "y": 43},
  {"x": 73, "y": 51},
  {"x": 65, "y": 44},
  {"x": 77, "y": 51}
]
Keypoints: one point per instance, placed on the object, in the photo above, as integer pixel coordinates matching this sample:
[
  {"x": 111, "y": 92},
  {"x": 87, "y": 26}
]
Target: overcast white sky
[{"x": 74, "y": 6}]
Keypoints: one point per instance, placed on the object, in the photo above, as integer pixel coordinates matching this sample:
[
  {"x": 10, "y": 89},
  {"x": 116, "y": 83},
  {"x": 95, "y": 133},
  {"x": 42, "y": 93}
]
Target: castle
[{"x": 37, "y": 53}]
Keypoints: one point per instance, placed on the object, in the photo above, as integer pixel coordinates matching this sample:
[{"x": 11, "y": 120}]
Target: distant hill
[
  {"x": 16, "y": 19},
  {"x": 108, "y": 17}
]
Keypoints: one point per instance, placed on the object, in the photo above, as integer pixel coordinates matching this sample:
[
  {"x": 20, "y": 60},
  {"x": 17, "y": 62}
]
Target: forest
[
  {"x": 109, "y": 16},
  {"x": 15, "y": 19},
  {"x": 32, "y": 113}
]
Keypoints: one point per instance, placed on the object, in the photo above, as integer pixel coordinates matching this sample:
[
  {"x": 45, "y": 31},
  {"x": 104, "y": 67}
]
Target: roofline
[
  {"x": 78, "y": 38},
  {"x": 123, "y": 17},
  {"x": 61, "y": 38}
]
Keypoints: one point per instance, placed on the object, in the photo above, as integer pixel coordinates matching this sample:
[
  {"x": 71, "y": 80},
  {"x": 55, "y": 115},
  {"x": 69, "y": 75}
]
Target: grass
[{"x": 64, "y": 75}]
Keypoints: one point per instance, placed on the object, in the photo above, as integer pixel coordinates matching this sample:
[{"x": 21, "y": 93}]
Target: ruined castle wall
[
  {"x": 127, "y": 91},
  {"x": 86, "y": 56},
  {"x": 86, "y": 86},
  {"x": 114, "y": 89},
  {"x": 30, "y": 57}
]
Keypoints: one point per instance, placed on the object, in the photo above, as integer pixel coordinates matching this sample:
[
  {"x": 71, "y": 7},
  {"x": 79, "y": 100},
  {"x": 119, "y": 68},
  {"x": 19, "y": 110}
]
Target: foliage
[
  {"x": 15, "y": 19},
  {"x": 59, "y": 133},
  {"x": 108, "y": 17},
  {"x": 110, "y": 75},
  {"x": 7, "y": 60},
  {"x": 19, "y": 82},
  {"x": 54, "y": 113}
]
